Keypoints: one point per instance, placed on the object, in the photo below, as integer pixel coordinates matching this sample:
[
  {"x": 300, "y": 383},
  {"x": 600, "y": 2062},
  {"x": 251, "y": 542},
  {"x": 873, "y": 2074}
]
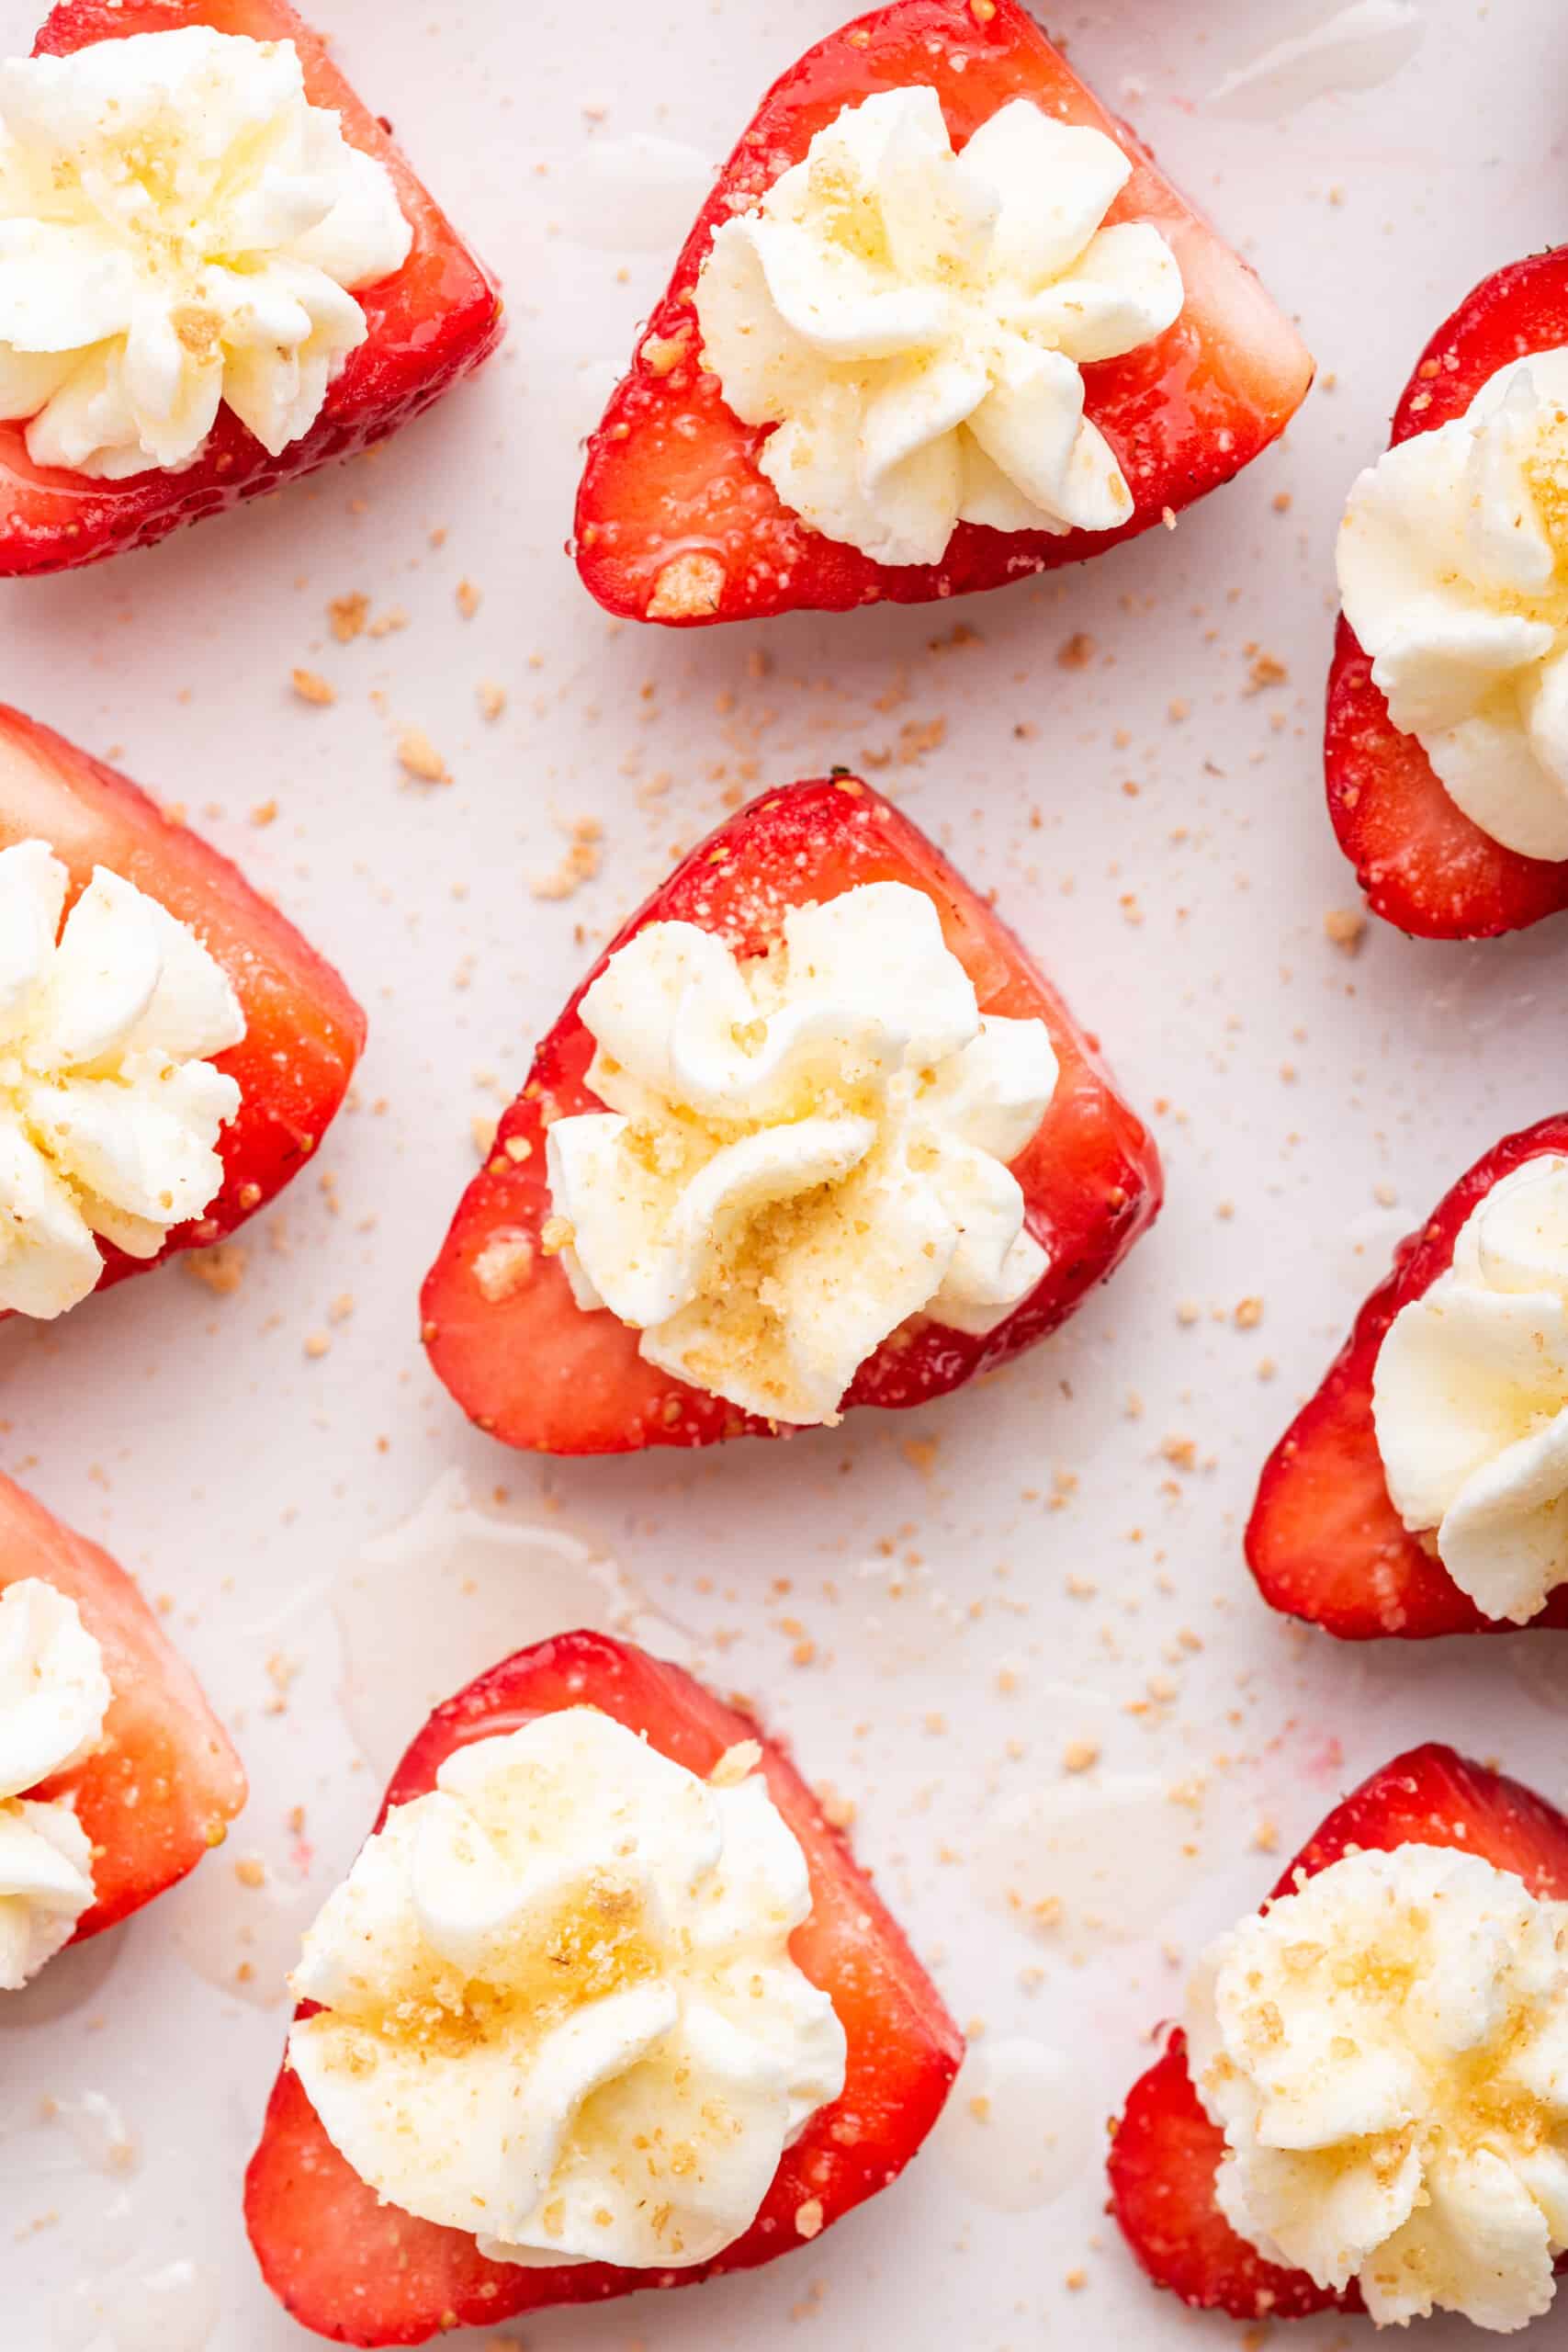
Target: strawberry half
[
  {"x": 675, "y": 522},
  {"x": 361, "y": 2272},
  {"x": 500, "y": 1323},
  {"x": 1164, "y": 2151},
  {"x": 163, "y": 1787},
  {"x": 429, "y": 324},
  {"x": 1421, "y": 862},
  {"x": 304, "y": 1032},
  {"x": 1325, "y": 1541}
]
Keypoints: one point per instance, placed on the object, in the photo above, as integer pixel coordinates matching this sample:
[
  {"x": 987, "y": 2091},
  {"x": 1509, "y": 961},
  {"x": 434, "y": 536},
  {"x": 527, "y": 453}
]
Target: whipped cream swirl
[
  {"x": 801, "y": 1150},
  {"x": 916, "y": 322},
  {"x": 558, "y": 2006},
  {"x": 1386, "y": 2052},
  {"x": 179, "y": 228},
  {"x": 110, "y": 1111},
  {"x": 1452, "y": 575},
  {"x": 55, "y": 1695},
  {"x": 1469, "y": 1398}
]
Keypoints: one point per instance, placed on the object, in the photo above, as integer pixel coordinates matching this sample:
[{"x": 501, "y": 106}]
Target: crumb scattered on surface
[
  {"x": 1346, "y": 927},
  {"x": 581, "y": 864},
  {"x": 311, "y": 687},
  {"x": 348, "y": 616},
  {"x": 221, "y": 1268},
  {"x": 419, "y": 758}
]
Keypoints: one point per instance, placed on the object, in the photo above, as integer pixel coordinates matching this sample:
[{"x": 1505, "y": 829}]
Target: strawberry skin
[
  {"x": 1325, "y": 1541},
  {"x": 500, "y": 1324},
  {"x": 1164, "y": 2151},
  {"x": 673, "y": 474},
  {"x": 1421, "y": 862},
  {"x": 304, "y": 1032},
  {"x": 430, "y": 323},
  {"x": 162, "y": 1789},
  {"x": 360, "y": 2272}
]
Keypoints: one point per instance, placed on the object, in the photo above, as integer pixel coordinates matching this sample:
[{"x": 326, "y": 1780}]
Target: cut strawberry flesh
[
  {"x": 1165, "y": 2153},
  {"x": 673, "y": 474},
  {"x": 501, "y": 1326},
  {"x": 359, "y": 2272},
  {"x": 1419, "y": 857},
  {"x": 437, "y": 319},
  {"x": 303, "y": 1031},
  {"x": 159, "y": 1791},
  {"x": 1325, "y": 1541}
]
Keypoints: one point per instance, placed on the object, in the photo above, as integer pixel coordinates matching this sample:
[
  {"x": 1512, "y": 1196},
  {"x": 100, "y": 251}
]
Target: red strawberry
[
  {"x": 430, "y": 323},
  {"x": 1421, "y": 862},
  {"x": 303, "y": 1031},
  {"x": 363, "y": 2273},
  {"x": 672, "y": 475},
  {"x": 163, "y": 1788},
  {"x": 1164, "y": 2151},
  {"x": 1325, "y": 1541},
  {"x": 501, "y": 1325}
]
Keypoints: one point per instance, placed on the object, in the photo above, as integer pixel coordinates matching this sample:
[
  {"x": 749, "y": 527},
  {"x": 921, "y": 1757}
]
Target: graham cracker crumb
[
  {"x": 1249, "y": 1313},
  {"x": 838, "y": 1812},
  {"x": 808, "y": 2217},
  {"x": 581, "y": 864},
  {"x": 662, "y": 354},
  {"x": 221, "y": 1268},
  {"x": 469, "y": 599},
  {"x": 311, "y": 687},
  {"x": 1080, "y": 1756},
  {"x": 502, "y": 1266},
  {"x": 1345, "y": 928},
  {"x": 493, "y": 700},
  {"x": 1078, "y": 652},
  {"x": 419, "y": 758},
  {"x": 347, "y": 616},
  {"x": 687, "y": 588}
]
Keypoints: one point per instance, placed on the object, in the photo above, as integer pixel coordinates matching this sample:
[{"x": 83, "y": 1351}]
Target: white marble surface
[{"x": 1310, "y": 1107}]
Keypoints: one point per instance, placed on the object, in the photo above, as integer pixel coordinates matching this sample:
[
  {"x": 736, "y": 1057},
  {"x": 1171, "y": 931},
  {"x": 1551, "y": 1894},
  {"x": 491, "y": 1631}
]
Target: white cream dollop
[
  {"x": 55, "y": 1695},
  {"x": 915, "y": 323},
  {"x": 1469, "y": 1398},
  {"x": 802, "y": 1151},
  {"x": 179, "y": 228},
  {"x": 1452, "y": 575},
  {"x": 1386, "y": 2052},
  {"x": 110, "y": 1111},
  {"x": 558, "y": 2006}
]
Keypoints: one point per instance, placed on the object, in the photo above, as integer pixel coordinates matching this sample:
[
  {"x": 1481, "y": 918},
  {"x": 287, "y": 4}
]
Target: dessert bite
[
  {"x": 216, "y": 271},
  {"x": 816, "y": 1133},
  {"x": 941, "y": 324},
  {"x": 171, "y": 1050},
  {"x": 115, "y": 1776},
  {"x": 1424, "y": 1489},
  {"x": 1447, "y": 747},
  {"x": 604, "y": 2005},
  {"x": 1366, "y": 2109}
]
